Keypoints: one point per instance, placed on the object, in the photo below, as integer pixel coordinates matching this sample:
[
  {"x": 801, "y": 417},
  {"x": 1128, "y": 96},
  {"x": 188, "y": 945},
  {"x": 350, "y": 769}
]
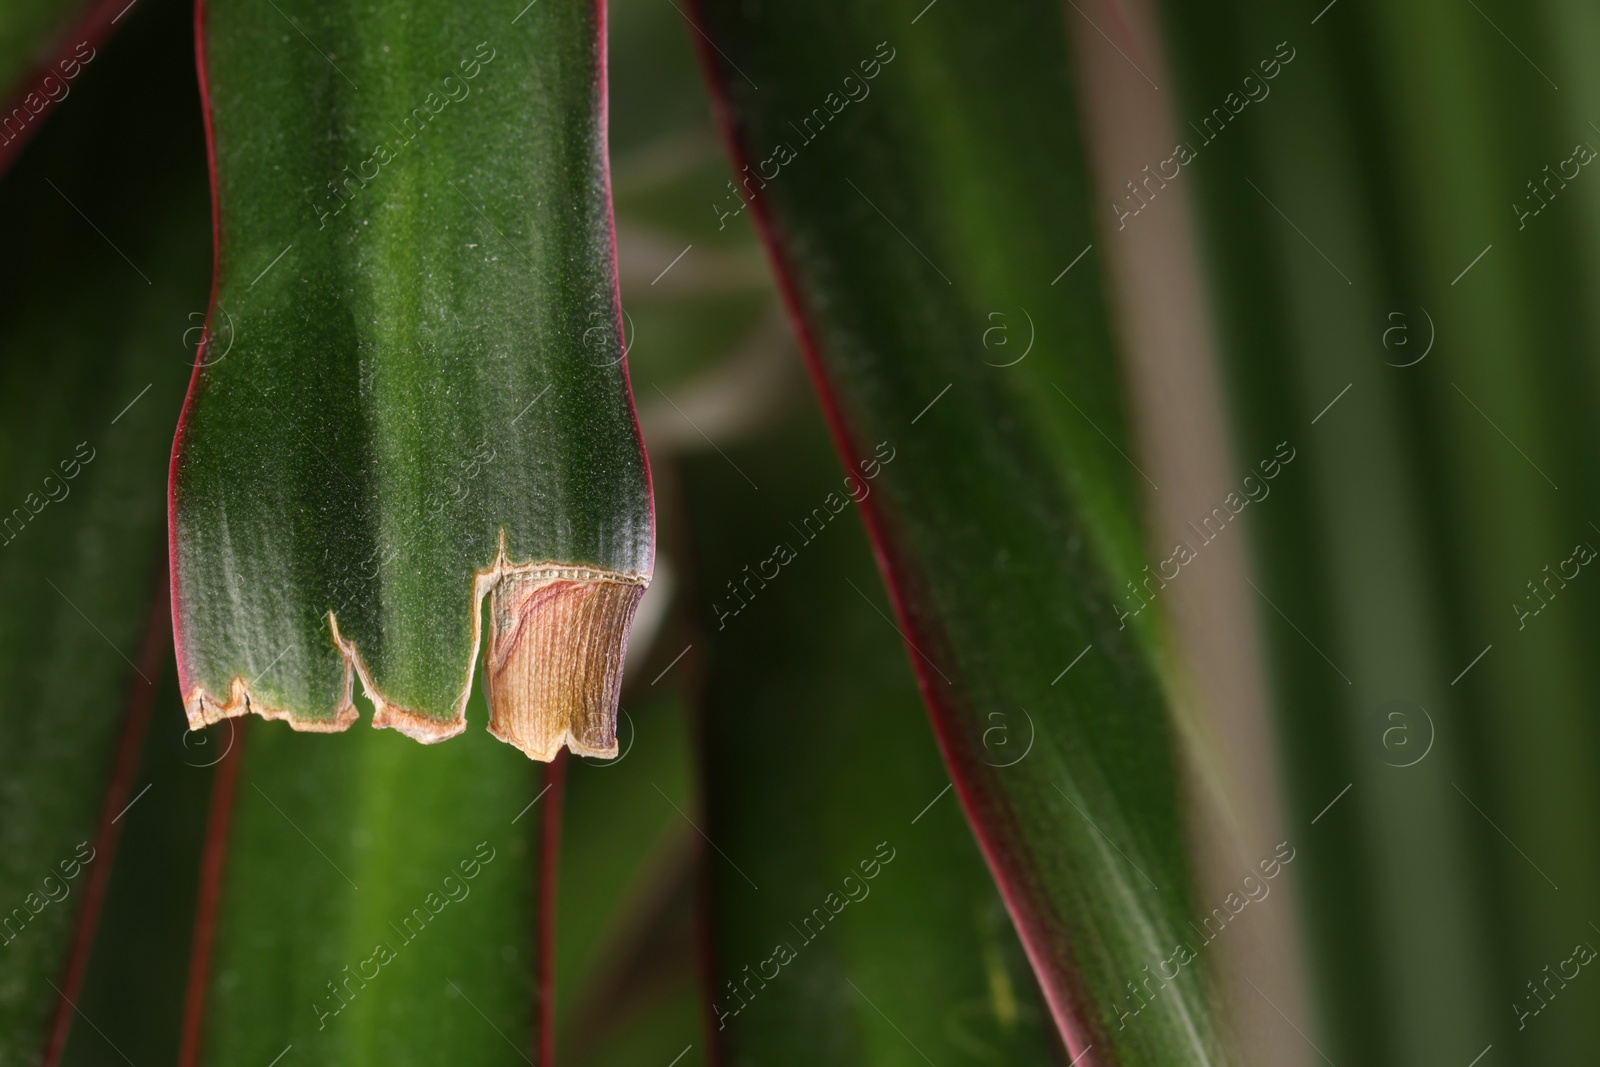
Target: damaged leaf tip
[
  {"x": 203, "y": 709},
  {"x": 557, "y": 640},
  {"x": 558, "y": 637}
]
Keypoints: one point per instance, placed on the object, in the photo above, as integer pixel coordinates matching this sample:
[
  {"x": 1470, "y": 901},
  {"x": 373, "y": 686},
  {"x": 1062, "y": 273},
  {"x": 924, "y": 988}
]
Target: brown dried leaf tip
[{"x": 557, "y": 639}]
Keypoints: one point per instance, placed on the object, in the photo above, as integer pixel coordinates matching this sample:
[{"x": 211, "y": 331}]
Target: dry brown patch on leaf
[{"x": 557, "y": 640}]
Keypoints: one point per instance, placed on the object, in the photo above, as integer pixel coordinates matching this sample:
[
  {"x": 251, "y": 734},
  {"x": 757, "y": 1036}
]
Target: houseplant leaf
[
  {"x": 624, "y": 961},
  {"x": 354, "y": 930},
  {"x": 100, "y": 281},
  {"x": 937, "y": 194},
  {"x": 1439, "y": 741},
  {"x": 852, "y": 918},
  {"x": 623, "y": 852},
  {"x": 147, "y": 915},
  {"x": 425, "y": 399}
]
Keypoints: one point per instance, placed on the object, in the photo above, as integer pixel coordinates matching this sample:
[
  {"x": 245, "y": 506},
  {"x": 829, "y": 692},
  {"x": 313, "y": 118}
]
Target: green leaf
[
  {"x": 423, "y": 398},
  {"x": 122, "y": 1010},
  {"x": 97, "y": 288},
  {"x": 625, "y": 981},
  {"x": 378, "y": 904},
  {"x": 922, "y": 185},
  {"x": 625, "y": 851},
  {"x": 853, "y": 920},
  {"x": 1429, "y": 353}
]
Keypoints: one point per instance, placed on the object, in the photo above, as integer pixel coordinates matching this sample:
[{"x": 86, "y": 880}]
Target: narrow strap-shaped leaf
[
  {"x": 554, "y": 797},
  {"x": 625, "y": 864},
  {"x": 919, "y": 176},
  {"x": 415, "y": 395},
  {"x": 148, "y": 912},
  {"x": 208, "y": 892},
  {"x": 97, "y": 279},
  {"x": 119, "y": 796},
  {"x": 379, "y": 902},
  {"x": 852, "y": 917}
]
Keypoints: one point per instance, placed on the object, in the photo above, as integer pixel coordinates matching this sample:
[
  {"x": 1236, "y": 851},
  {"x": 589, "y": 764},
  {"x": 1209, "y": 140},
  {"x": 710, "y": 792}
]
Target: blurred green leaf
[
  {"x": 123, "y": 1009},
  {"x": 625, "y": 973},
  {"x": 1383, "y": 308},
  {"x": 97, "y": 289},
  {"x": 853, "y": 919},
  {"x": 379, "y": 904}
]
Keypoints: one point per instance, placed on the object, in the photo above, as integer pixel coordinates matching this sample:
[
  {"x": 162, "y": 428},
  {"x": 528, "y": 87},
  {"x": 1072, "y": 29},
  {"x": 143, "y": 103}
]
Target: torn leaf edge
[{"x": 202, "y": 709}]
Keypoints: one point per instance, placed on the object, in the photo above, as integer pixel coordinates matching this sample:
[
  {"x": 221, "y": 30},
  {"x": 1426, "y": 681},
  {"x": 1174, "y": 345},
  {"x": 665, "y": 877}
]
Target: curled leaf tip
[{"x": 557, "y": 640}]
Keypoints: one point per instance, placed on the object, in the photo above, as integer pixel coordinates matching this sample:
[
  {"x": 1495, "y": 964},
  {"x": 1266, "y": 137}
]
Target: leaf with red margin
[
  {"x": 917, "y": 172},
  {"x": 366, "y": 899},
  {"x": 147, "y": 911},
  {"x": 96, "y": 289},
  {"x": 424, "y": 401}
]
